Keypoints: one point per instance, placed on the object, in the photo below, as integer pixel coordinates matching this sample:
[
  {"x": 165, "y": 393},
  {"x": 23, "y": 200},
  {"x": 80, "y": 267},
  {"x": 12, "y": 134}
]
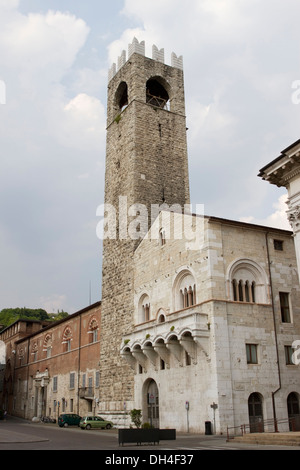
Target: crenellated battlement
[{"x": 139, "y": 48}]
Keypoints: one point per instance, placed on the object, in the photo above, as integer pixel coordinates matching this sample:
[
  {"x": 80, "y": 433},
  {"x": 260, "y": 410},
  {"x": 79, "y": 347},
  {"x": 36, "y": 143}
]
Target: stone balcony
[
  {"x": 182, "y": 333},
  {"x": 42, "y": 379},
  {"x": 87, "y": 393}
]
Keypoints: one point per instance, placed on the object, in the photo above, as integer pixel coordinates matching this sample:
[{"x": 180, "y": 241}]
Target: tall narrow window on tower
[
  {"x": 156, "y": 94},
  {"x": 121, "y": 100}
]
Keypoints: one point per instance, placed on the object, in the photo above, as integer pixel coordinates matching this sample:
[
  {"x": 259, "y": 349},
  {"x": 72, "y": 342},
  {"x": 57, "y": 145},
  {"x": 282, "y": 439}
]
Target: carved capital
[{"x": 294, "y": 218}]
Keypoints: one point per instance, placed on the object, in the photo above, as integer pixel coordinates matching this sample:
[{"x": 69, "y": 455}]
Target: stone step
[{"x": 286, "y": 439}]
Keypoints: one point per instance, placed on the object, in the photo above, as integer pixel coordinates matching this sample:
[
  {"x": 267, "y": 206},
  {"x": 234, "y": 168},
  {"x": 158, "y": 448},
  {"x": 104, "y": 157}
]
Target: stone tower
[{"x": 146, "y": 163}]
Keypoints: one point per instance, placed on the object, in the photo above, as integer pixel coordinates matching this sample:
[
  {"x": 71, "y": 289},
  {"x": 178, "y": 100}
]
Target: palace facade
[
  {"x": 52, "y": 368},
  {"x": 199, "y": 315}
]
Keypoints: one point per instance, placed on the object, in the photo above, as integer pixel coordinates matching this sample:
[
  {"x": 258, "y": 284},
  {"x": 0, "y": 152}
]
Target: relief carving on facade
[{"x": 294, "y": 218}]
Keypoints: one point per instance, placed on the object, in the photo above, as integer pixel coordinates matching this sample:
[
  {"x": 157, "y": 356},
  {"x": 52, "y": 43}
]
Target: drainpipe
[
  {"x": 275, "y": 332},
  {"x": 78, "y": 370},
  {"x": 27, "y": 390}
]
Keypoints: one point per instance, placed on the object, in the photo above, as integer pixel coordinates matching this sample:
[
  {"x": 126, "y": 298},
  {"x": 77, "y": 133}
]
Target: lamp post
[
  {"x": 214, "y": 406},
  {"x": 187, "y": 407}
]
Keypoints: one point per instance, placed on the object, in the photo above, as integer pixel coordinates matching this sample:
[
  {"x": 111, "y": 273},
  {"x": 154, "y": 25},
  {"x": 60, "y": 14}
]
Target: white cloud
[
  {"x": 239, "y": 64},
  {"x": 80, "y": 124},
  {"x": 9, "y": 4},
  {"x": 37, "y": 51},
  {"x": 52, "y": 133},
  {"x": 41, "y": 47},
  {"x": 277, "y": 219},
  {"x": 210, "y": 120},
  {"x": 53, "y": 303}
]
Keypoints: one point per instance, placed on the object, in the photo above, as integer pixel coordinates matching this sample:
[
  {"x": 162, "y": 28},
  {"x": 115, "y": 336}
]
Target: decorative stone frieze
[{"x": 185, "y": 331}]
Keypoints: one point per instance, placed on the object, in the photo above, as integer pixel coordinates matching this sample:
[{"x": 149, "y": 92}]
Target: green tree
[
  {"x": 10, "y": 315},
  {"x": 136, "y": 417}
]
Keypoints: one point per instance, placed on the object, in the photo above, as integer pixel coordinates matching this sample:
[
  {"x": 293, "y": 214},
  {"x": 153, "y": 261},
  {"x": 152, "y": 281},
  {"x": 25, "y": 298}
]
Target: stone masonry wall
[{"x": 146, "y": 162}]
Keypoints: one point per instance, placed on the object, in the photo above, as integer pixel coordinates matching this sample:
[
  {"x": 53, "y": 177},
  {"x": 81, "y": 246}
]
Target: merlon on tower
[{"x": 139, "y": 48}]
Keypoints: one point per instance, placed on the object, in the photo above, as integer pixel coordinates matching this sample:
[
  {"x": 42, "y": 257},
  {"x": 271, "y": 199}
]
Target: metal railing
[
  {"x": 265, "y": 426},
  {"x": 158, "y": 101}
]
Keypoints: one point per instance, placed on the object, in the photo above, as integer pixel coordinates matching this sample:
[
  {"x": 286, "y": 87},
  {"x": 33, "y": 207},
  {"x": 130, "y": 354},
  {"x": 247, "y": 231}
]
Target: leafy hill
[{"x": 10, "y": 315}]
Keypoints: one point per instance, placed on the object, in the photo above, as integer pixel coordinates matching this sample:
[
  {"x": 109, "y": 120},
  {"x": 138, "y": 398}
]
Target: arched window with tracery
[
  {"x": 47, "y": 346},
  {"x": 247, "y": 282},
  {"x": 67, "y": 339},
  {"x": 93, "y": 331},
  {"x": 184, "y": 291},
  {"x": 21, "y": 355},
  {"x": 144, "y": 309},
  {"x": 34, "y": 351}
]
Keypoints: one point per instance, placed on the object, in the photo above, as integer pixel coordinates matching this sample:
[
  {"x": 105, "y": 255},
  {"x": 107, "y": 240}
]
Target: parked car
[
  {"x": 95, "y": 422},
  {"x": 68, "y": 419}
]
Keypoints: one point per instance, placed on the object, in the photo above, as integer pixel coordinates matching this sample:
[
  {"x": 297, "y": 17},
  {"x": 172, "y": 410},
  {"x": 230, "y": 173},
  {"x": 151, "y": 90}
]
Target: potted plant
[{"x": 138, "y": 434}]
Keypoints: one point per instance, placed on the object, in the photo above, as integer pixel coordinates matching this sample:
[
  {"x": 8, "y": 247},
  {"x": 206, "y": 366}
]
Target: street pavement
[{"x": 17, "y": 434}]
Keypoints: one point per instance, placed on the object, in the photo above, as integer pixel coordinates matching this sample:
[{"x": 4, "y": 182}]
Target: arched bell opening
[{"x": 157, "y": 94}]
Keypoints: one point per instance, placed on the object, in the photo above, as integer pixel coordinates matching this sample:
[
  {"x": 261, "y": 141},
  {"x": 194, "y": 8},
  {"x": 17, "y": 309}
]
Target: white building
[
  {"x": 203, "y": 313},
  {"x": 214, "y": 324},
  {"x": 284, "y": 171}
]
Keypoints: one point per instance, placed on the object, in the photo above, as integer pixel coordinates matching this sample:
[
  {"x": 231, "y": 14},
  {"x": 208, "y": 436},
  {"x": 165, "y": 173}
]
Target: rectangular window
[
  {"x": 97, "y": 379},
  {"x": 95, "y": 336},
  {"x": 278, "y": 245},
  {"x": 54, "y": 384},
  {"x": 251, "y": 351},
  {"x": 285, "y": 307},
  {"x": 72, "y": 379},
  {"x": 188, "y": 360},
  {"x": 90, "y": 387},
  {"x": 288, "y": 355}
]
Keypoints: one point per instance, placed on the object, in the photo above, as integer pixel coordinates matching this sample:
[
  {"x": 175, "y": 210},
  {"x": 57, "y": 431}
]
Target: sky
[{"x": 241, "y": 66}]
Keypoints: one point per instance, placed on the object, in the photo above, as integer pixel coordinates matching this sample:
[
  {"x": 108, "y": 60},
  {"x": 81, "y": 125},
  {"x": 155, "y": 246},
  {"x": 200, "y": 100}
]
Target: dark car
[{"x": 68, "y": 419}]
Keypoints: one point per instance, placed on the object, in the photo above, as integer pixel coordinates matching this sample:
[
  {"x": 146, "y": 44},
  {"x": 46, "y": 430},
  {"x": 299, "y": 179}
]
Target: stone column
[
  {"x": 294, "y": 219},
  {"x": 284, "y": 171},
  {"x": 38, "y": 403}
]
